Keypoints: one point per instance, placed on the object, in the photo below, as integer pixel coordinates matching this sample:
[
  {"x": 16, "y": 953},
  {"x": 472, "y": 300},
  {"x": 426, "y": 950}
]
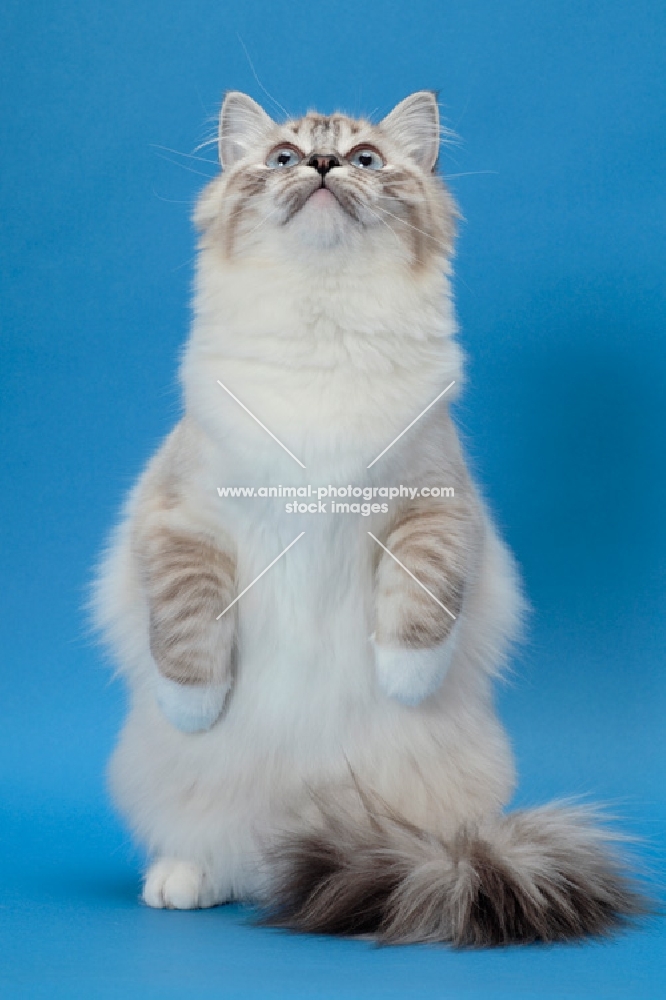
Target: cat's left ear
[
  {"x": 243, "y": 125},
  {"x": 414, "y": 124}
]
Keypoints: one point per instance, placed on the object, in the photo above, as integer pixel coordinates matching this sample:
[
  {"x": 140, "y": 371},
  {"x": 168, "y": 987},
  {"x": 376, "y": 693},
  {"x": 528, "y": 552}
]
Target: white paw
[
  {"x": 191, "y": 707},
  {"x": 411, "y": 675},
  {"x": 176, "y": 885}
]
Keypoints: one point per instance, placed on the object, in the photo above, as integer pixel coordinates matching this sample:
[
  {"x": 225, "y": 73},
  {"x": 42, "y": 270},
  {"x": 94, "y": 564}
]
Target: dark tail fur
[{"x": 547, "y": 874}]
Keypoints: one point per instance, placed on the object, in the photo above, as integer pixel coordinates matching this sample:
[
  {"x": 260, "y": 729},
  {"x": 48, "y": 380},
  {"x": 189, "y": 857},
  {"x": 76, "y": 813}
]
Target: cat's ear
[
  {"x": 243, "y": 125},
  {"x": 414, "y": 125}
]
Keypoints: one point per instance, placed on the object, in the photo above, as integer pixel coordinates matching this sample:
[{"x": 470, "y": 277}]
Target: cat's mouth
[
  {"x": 324, "y": 197},
  {"x": 333, "y": 185}
]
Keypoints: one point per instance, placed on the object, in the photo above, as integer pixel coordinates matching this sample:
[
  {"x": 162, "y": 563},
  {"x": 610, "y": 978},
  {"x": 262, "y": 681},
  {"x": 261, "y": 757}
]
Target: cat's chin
[{"x": 322, "y": 221}]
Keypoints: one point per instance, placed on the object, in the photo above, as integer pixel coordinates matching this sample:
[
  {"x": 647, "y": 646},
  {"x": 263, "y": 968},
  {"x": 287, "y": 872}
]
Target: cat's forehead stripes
[{"x": 337, "y": 132}]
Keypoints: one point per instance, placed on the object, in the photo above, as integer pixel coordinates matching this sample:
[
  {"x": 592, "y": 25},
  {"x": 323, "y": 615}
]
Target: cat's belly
[
  {"x": 305, "y": 657},
  {"x": 305, "y": 711}
]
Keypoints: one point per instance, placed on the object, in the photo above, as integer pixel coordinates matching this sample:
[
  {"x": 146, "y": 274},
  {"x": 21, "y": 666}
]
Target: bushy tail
[{"x": 547, "y": 874}]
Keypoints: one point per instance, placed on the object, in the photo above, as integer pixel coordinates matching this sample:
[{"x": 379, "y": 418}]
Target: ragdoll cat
[{"x": 326, "y": 744}]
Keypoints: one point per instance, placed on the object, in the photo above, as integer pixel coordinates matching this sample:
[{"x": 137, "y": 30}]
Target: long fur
[
  {"x": 330, "y": 317},
  {"x": 548, "y": 874}
]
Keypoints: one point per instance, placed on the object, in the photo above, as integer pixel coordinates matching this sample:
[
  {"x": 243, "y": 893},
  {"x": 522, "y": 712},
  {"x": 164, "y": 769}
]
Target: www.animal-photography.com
[{"x": 334, "y": 374}]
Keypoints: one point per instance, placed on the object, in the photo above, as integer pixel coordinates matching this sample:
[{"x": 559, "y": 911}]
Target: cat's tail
[{"x": 547, "y": 874}]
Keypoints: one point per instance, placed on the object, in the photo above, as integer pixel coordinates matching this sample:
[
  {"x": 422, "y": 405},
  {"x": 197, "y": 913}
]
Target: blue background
[{"x": 560, "y": 284}]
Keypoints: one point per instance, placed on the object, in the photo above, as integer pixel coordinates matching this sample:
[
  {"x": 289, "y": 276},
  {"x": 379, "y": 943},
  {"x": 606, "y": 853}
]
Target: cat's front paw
[
  {"x": 412, "y": 675},
  {"x": 192, "y": 708}
]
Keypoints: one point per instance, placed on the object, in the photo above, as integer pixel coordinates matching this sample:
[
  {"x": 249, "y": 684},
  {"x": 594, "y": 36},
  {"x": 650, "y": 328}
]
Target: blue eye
[
  {"x": 283, "y": 156},
  {"x": 366, "y": 158}
]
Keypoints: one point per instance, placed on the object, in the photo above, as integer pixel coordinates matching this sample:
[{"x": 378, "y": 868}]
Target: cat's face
[{"x": 320, "y": 184}]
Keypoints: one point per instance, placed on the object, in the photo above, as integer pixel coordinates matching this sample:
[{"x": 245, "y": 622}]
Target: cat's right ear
[{"x": 243, "y": 125}]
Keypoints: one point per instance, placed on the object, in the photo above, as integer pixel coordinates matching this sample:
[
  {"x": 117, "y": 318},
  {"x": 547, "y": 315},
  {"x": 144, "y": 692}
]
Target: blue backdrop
[{"x": 560, "y": 283}]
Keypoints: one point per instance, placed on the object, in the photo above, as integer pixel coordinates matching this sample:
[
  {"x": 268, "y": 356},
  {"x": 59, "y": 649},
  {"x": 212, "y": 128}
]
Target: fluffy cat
[{"x": 327, "y": 746}]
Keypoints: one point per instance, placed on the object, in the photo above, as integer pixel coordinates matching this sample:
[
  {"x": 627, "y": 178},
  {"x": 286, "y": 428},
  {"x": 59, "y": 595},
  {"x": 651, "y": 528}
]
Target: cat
[{"x": 311, "y": 724}]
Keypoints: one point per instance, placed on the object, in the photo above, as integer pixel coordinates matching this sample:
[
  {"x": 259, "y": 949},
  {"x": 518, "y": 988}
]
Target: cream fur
[
  {"x": 330, "y": 336},
  {"x": 411, "y": 675},
  {"x": 190, "y": 708}
]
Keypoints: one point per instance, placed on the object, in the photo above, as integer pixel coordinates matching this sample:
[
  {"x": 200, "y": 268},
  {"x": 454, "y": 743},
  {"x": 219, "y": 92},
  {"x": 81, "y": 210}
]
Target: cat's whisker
[
  {"x": 209, "y": 116},
  {"x": 449, "y": 137},
  {"x": 190, "y": 156},
  {"x": 469, "y": 173},
  {"x": 463, "y": 113},
  {"x": 171, "y": 201},
  {"x": 265, "y": 219},
  {"x": 254, "y": 73},
  {"x": 190, "y": 260},
  {"x": 385, "y": 223},
  {"x": 207, "y": 142},
  {"x": 185, "y": 167},
  {"x": 415, "y": 228}
]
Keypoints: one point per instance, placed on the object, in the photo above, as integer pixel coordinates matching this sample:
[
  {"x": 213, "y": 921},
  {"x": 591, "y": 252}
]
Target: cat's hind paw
[
  {"x": 192, "y": 708},
  {"x": 176, "y": 885},
  {"x": 412, "y": 675}
]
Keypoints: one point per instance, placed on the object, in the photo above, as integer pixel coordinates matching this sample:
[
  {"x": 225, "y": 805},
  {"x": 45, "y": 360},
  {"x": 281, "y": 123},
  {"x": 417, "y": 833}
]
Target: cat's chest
[{"x": 273, "y": 423}]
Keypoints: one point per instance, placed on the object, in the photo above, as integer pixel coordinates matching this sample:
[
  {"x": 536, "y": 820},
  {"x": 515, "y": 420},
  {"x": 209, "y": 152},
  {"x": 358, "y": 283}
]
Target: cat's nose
[{"x": 323, "y": 162}]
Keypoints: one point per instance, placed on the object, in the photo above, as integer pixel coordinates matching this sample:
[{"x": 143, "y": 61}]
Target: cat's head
[{"x": 329, "y": 187}]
